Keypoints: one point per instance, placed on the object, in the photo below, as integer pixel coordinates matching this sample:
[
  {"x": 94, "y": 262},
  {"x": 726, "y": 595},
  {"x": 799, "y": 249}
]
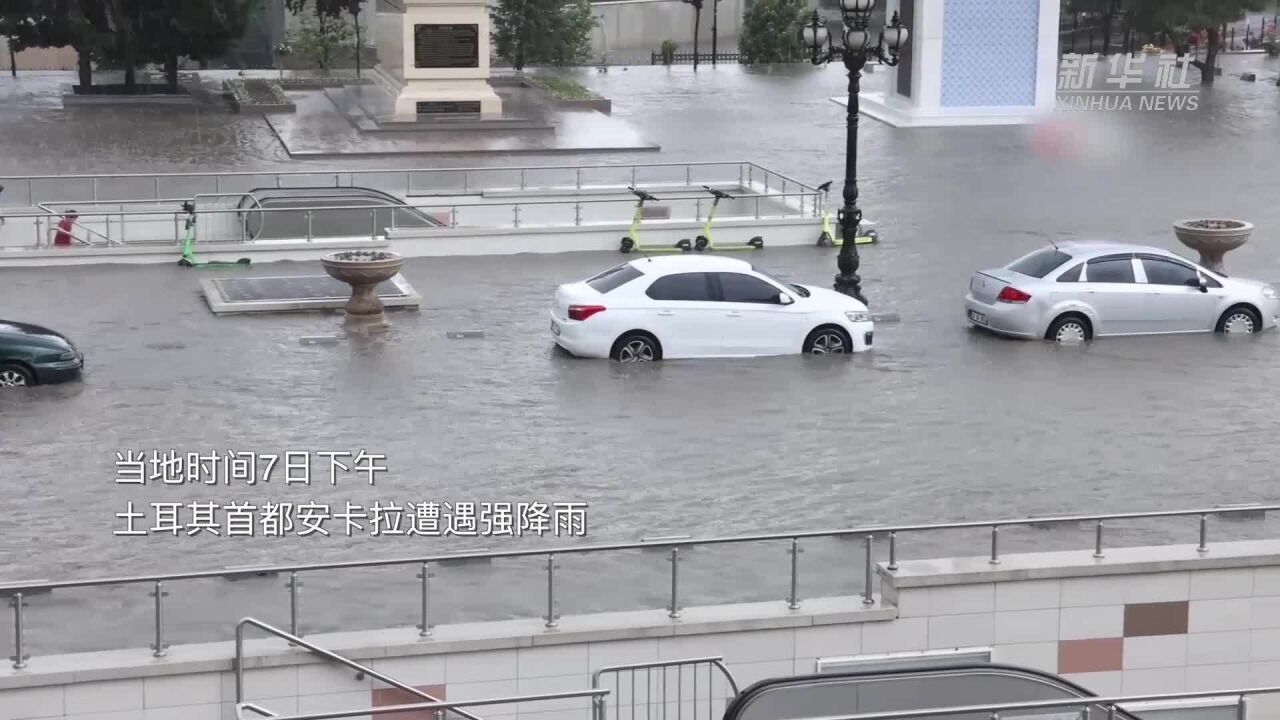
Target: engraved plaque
[
  {"x": 449, "y": 107},
  {"x": 446, "y": 46}
]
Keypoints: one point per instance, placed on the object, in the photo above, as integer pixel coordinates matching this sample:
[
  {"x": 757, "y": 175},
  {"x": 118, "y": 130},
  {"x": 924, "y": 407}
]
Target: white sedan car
[{"x": 701, "y": 306}]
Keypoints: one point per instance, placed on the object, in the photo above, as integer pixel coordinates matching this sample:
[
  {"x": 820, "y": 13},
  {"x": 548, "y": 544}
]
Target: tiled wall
[
  {"x": 990, "y": 52},
  {"x": 1167, "y": 632}
]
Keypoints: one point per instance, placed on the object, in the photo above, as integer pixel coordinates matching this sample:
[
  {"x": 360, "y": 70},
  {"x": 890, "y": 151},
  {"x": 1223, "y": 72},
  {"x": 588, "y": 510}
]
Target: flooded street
[{"x": 939, "y": 423}]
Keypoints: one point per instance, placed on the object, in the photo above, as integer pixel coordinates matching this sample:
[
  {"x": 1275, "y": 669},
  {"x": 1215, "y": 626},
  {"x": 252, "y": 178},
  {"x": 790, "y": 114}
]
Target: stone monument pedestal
[{"x": 440, "y": 60}]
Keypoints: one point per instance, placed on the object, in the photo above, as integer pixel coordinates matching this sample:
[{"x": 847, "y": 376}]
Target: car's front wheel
[
  {"x": 13, "y": 375},
  {"x": 635, "y": 347},
  {"x": 1070, "y": 328},
  {"x": 828, "y": 340},
  {"x": 1240, "y": 320}
]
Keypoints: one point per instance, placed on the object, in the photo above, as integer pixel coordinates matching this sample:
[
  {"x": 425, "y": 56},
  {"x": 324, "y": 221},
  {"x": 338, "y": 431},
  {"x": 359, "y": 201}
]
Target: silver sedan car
[{"x": 1076, "y": 291}]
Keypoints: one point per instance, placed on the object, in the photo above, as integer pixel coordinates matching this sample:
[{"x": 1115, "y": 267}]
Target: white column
[{"x": 445, "y": 84}]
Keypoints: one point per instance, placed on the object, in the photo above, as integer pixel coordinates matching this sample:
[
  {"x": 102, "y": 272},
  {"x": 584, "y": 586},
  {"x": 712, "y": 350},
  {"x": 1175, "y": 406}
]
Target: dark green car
[{"x": 33, "y": 355}]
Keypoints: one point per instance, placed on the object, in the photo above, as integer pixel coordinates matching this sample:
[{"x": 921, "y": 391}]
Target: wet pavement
[{"x": 939, "y": 423}]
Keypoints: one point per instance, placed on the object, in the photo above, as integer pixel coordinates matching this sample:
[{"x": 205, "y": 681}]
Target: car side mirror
[{"x": 785, "y": 299}]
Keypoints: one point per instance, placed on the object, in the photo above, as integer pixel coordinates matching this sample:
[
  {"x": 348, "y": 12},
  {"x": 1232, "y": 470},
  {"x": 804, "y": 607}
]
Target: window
[
  {"x": 614, "y": 278},
  {"x": 739, "y": 288},
  {"x": 1167, "y": 272},
  {"x": 1111, "y": 270},
  {"x": 798, "y": 288},
  {"x": 1072, "y": 275},
  {"x": 683, "y": 286},
  {"x": 1040, "y": 263}
]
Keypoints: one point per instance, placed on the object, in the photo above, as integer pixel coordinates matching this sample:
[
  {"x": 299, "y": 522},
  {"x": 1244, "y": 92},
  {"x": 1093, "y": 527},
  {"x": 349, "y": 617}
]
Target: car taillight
[
  {"x": 1012, "y": 295},
  {"x": 582, "y": 312}
]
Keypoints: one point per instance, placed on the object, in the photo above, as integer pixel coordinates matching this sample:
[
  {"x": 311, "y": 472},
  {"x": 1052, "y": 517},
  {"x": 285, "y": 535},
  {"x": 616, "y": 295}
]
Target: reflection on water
[{"x": 939, "y": 423}]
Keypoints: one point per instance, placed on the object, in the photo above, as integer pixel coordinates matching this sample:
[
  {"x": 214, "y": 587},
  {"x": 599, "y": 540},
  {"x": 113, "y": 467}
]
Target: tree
[
  {"x": 198, "y": 29},
  {"x": 770, "y": 31},
  {"x": 81, "y": 24},
  {"x": 537, "y": 32},
  {"x": 1179, "y": 19},
  {"x": 321, "y": 37},
  {"x": 329, "y": 12},
  {"x": 697, "y": 22}
]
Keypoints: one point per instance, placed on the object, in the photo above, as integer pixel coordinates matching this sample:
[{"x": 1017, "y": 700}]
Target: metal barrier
[
  {"x": 712, "y": 664},
  {"x": 890, "y": 533},
  {"x": 1111, "y": 705},
  {"x": 315, "y": 650},
  {"x": 431, "y": 706}
]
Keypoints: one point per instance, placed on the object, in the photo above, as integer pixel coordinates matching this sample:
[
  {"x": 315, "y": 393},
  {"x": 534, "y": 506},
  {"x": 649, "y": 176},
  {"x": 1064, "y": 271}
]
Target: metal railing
[
  {"x": 1110, "y": 705},
  {"x": 713, "y": 664},
  {"x": 430, "y": 706},
  {"x": 423, "y": 564},
  {"x": 409, "y": 181},
  {"x": 315, "y": 650},
  {"x": 564, "y": 213}
]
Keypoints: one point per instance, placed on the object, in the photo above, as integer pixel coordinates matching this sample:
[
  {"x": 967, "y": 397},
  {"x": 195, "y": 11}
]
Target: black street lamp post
[{"x": 855, "y": 53}]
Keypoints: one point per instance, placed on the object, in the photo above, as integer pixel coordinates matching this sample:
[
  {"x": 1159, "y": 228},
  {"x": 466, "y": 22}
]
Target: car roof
[
  {"x": 1105, "y": 247},
  {"x": 689, "y": 263}
]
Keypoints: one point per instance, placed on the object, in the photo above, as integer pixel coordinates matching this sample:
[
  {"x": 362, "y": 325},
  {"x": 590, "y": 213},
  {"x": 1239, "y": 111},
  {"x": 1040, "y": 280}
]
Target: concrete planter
[{"x": 1213, "y": 238}]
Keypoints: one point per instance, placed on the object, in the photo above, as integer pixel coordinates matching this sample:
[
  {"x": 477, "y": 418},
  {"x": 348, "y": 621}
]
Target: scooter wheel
[
  {"x": 685, "y": 245},
  {"x": 873, "y": 235},
  {"x": 756, "y": 242},
  {"x": 627, "y": 245},
  {"x": 701, "y": 243},
  {"x": 824, "y": 240}
]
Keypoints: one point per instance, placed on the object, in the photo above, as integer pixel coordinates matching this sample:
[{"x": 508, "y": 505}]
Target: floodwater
[{"x": 938, "y": 423}]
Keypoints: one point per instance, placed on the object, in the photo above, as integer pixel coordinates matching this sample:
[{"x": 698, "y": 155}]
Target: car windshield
[
  {"x": 779, "y": 282},
  {"x": 1040, "y": 263}
]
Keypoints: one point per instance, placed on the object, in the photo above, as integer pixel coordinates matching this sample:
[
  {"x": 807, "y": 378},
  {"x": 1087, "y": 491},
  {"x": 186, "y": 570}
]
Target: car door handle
[
  {"x": 666, "y": 312},
  {"x": 733, "y": 314}
]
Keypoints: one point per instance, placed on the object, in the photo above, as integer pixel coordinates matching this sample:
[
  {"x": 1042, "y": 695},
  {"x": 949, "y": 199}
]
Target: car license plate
[
  {"x": 978, "y": 317},
  {"x": 555, "y": 327}
]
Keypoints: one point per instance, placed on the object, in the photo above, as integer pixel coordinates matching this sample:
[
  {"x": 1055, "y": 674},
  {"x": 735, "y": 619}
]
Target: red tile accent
[
  {"x": 383, "y": 697},
  {"x": 1097, "y": 655},
  {"x": 1162, "y": 618}
]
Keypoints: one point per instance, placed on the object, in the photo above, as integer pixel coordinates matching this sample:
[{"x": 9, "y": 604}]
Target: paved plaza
[{"x": 938, "y": 423}]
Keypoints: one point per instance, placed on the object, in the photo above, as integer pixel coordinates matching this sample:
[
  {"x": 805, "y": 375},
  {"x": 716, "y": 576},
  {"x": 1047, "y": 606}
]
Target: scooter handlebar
[
  {"x": 720, "y": 194},
  {"x": 643, "y": 195}
]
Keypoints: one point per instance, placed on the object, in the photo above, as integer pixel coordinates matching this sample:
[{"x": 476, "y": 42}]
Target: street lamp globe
[
  {"x": 815, "y": 34},
  {"x": 858, "y": 7},
  {"x": 894, "y": 35},
  {"x": 856, "y": 39}
]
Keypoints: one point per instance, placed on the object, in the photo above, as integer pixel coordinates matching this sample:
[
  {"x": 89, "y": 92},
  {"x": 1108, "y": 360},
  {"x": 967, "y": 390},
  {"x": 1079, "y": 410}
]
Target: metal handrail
[
  {"x": 18, "y": 590},
  {"x": 317, "y": 650},
  {"x": 1111, "y": 703},
  {"x": 439, "y": 706},
  {"x": 599, "y": 710}
]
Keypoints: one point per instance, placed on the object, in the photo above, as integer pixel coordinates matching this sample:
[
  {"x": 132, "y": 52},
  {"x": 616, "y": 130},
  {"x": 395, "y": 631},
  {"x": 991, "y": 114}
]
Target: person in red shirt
[{"x": 63, "y": 236}]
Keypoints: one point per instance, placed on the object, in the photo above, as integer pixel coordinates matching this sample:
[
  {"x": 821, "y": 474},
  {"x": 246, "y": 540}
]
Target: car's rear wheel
[
  {"x": 635, "y": 347},
  {"x": 1070, "y": 328},
  {"x": 1240, "y": 320},
  {"x": 13, "y": 375},
  {"x": 828, "y": 340}
]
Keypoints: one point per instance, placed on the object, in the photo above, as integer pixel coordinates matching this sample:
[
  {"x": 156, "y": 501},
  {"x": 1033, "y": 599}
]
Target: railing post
[
  {"x": 1086, "y": 712},
  {"x": 1097, "y": 541},
  {"x": 158, "y": 649},
  {"x": 674, "y": 610},
  {"x": 578, "y": 178},
  {"x": 466, "y": 181},
  {"x": 893, "y": 550},
  {"x": 157, "y": 184},
  {"x": 1111, "y": 712},
  {"x": 688, "y": 175},
  {"x": 793, "y": 601},
  {"x": 373, "y": 224},
  {"x": 408, "y": 185},
  {"x": 424, "y": 630},
  {"x": 995, "y": 545},
  {"x": 757, "y": 207},
  {"x": 522, "y": 179},
  {"x": 633, "y": 176},
  {"x": 177, "y": 232},
  {"x": 217, "y": 184},
  {"x": 577, "y": 213},
  {"x": 551, "y": 592},
  {"x": 19, "y": 659},
  {"x": 751, "y": 171},
  {"x": 453, "y": 217},
  {"x": 122, "y": 228},
  {"x": 293, "y": 586},
  {"x": 95, "y": 189},
  {"x": 1204, "y": 534},
  {"x": 868, "y": 579},
  {"x": 697, "y": 209},
  {"x": 1242, "y": 708},
  {"x": 31, "y": 194},
  {"x": 309, "y": 225}
]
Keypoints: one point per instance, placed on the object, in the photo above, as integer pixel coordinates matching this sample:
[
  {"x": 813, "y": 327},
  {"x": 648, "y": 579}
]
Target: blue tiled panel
[{"x": 989, "y": 51}]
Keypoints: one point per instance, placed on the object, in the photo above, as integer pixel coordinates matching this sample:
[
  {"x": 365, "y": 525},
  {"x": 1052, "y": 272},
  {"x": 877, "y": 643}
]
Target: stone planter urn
[
  {"x": 1213, "y": 238},
  {"x": 364, "y": 271}
]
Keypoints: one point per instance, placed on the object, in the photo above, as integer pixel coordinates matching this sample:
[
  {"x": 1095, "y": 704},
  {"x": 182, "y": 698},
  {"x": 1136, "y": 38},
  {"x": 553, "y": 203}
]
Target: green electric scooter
[
  {"x": 631, "y": 241},
  {"x": 827, "y": 238},
  {"x": 703, "y": 242},
  {"x": 188, "y": 258}
]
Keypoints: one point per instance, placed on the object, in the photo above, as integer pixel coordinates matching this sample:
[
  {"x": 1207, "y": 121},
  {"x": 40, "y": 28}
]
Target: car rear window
[
  {"x": 613, "y": 278},
  {"x": 1040, "y": 263}
]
